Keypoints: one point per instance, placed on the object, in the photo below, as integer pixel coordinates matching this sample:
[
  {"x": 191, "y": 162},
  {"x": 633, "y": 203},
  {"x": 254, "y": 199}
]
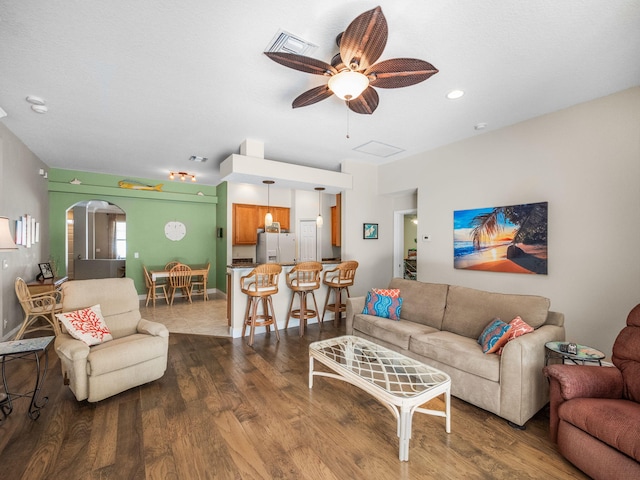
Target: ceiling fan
[{"x": 353, "y": 72}]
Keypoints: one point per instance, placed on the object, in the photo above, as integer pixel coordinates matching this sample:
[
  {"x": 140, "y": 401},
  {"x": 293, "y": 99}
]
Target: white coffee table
[{"x": 400, "y": 383}]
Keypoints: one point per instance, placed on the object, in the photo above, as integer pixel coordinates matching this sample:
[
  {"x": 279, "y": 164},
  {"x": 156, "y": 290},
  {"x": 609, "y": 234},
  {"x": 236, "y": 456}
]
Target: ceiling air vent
[{"x": 285, "y": 42}]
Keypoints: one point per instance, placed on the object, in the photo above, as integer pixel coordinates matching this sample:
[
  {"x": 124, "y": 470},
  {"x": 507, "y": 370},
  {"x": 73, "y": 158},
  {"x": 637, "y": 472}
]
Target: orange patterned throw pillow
[
  {"x": 518, "y": 328},
  {"x": 86, "y": 325},
  {"x": 387, "y": 292}
]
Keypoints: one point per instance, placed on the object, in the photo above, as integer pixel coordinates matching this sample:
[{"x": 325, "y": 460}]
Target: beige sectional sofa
[{"x": 440, "y": 324}]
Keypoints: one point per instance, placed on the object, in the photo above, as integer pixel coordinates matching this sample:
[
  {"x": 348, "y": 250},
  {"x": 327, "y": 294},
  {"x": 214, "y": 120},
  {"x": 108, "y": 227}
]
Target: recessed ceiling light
[
  {"x": 480, "y": 126},
  {"x": 33, "y": 100},
  {"x": 39, "y": 108},
  {"x": 453, "y": 94}
]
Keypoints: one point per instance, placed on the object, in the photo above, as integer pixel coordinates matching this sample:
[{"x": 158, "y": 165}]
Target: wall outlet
[
  {"x": 5, "y": 323},
  {"x": 426, "y": 238},
  {"x": 136, "y": 255}
]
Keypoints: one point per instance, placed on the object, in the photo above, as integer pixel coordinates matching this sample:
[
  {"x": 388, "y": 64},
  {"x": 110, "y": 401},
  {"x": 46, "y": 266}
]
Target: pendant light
[
  {"x": 319, "y": 221},
  {"x": 268, "y": 218}
]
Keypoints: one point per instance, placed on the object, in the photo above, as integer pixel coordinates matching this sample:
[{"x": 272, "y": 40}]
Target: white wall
[
  {"x": 584, "y": 161},
  {"x": 22, "y": 191},
  {"x": 363, "y": 204}
]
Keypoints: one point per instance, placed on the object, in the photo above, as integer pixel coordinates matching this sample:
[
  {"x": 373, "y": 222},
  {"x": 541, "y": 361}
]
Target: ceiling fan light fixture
[{"x": 348, "y": 85}]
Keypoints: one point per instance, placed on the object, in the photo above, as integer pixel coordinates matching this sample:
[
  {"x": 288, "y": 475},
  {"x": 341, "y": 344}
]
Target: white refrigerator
[{"x": 276, "y": 248}]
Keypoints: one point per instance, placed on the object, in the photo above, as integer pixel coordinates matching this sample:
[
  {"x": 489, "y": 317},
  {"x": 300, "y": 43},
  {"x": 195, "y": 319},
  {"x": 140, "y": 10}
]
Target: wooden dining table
[{"x": 160, "y": 272}]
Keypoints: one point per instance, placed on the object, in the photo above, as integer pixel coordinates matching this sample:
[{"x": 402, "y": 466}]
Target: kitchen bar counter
[{"x": 238, "y": 300}]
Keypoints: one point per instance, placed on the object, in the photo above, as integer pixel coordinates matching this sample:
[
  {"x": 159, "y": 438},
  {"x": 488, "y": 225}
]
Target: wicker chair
[
  {"x": 259, "y": 285},
  {"x": 180, "y": 279},
  {"x": 42, "y": 306},
  {"x": 303, "y": 279},
  {"x": 337, "y": 280},
  {"x": 154, "y": 291}
]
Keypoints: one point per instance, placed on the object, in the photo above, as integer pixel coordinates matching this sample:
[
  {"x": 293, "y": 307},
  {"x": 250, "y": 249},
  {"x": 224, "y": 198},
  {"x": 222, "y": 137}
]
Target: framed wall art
[
  {"x": 510, "y": 239},
  {"x": 370, "y": 231},
  {"x": 45, "y": 270}
]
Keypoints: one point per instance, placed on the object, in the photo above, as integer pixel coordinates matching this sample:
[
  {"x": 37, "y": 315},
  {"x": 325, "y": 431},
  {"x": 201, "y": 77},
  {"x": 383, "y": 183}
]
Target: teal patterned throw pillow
[
  {"x": 494, "y": 336},
  {"x": 384, "y": 306}
]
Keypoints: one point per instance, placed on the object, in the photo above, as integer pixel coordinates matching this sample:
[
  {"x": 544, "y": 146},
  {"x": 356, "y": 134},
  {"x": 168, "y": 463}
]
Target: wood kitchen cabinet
[
  {"x": 336, "y": 222},
  {"x": 245, "y": 224},
  {"x": 247, "y": 219},
  {"x": 280, "y": 214}
]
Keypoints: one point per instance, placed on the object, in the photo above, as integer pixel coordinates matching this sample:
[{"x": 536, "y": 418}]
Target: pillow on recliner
[
  {"x": 86, "y": 325},
  {"x": 383, "y": 303},
  {"x": 494, "y": 336}
]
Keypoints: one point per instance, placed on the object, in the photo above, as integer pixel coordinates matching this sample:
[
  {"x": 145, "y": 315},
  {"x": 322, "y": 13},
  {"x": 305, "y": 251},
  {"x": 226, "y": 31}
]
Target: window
[{"x": 121, "y": 239}]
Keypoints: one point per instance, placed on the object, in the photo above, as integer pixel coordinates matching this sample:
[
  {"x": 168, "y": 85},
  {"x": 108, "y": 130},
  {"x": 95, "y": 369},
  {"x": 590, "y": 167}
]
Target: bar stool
[
  {"x": 259, "y": 285},
  {"x": 337, "y": 280},
  {"x": 303, "y": 279}
]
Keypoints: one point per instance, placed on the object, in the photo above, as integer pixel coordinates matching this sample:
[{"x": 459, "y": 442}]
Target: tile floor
[{"x": 199, "y": 317}]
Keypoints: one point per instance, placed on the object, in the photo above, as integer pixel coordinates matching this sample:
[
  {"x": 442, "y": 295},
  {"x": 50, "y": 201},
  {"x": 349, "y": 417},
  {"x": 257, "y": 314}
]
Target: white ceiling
[{"x": 134, "y": 88}]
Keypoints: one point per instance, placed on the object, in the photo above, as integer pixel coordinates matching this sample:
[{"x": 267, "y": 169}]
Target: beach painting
[{"x": 509, "y": 239}]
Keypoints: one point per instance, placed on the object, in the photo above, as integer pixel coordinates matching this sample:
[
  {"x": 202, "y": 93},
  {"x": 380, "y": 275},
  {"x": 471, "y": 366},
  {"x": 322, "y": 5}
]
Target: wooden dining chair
[
  {"x": 199, "y": 284},
  {"x": 154, "y": 291},
  {"x": 180, "y": 279},
  {"x": 171, "y": 264},
  {"x": 42, "y": 306}
]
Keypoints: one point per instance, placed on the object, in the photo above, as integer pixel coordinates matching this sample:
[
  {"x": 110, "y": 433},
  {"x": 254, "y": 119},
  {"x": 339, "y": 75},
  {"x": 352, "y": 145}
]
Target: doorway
[
  {"x": 96, "y": 240},
  {"x": 405, "y": 244},
  {"x": 307, "y": 243}
]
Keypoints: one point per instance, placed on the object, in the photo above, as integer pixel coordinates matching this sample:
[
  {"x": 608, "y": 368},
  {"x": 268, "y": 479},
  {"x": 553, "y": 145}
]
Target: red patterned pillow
[
  {"x": 387, "y": 292},
  {"x": 518, "y": 328},
  {"x": 86, "y": 325}
]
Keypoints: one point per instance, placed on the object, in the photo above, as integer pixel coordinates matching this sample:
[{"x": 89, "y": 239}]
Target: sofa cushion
[
  {"x": 124, "y": 352},
  {"x": 459, "y": 352},
  {"x": 612, "y": 421},
  {"x": 494, "y": 336},
  {"x": 384, "y": 306},
  {"x": 86, "y": 325},
  {"x": 469, "y": 310},
  {"x": 422, "y": 302},
  {"x": 395, "y": 333}
]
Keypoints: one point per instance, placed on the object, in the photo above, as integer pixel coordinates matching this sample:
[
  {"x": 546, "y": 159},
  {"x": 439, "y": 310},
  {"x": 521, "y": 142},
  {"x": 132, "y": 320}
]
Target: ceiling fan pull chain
[{"x": 347, "y": 105}]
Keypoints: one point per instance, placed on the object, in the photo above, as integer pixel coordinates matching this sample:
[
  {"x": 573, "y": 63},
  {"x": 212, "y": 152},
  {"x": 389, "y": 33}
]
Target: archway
[{"x": 96, "y": 243}]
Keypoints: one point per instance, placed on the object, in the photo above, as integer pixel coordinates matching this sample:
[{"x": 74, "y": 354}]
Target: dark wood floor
[{"x": 225, "y": 410}]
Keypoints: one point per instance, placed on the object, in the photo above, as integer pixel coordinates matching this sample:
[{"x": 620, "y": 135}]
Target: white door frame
[{"x": 398, "y": 240}]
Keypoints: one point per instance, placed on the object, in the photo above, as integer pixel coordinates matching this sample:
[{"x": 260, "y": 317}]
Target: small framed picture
[
  {"x": 370, "y": 231},
  {"x": 45, "y": 270}
]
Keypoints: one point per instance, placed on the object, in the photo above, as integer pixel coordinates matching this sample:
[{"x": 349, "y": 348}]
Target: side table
[
  {"x": 584, "y": 354},
  {"x": 23, "y": 349}
]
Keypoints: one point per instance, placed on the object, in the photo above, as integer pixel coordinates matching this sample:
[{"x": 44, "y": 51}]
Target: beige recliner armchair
[{"x": 136, "y": 355}]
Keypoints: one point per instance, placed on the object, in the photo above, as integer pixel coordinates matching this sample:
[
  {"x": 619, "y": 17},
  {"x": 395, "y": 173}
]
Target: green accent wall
[
  {"x": 147, "y": 212},
  {"x": 221, "y": 242}
]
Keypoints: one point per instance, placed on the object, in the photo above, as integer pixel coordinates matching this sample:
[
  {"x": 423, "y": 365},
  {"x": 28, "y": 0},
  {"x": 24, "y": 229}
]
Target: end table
[
  {"x": 24, "y": 348},
  {"x": 584, "y": 353}
]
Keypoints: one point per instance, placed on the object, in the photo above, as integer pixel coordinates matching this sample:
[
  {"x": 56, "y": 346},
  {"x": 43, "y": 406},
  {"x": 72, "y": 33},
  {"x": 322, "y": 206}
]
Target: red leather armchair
[{"x": 595, "y": 411}]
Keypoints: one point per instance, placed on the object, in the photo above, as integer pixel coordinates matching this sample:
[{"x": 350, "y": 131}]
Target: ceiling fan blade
[
  {"x": 366, "y": 103},
  {"x": 302, "y": 63},
  {"x": 312, "y": 96},
  {"x": 399, "y": 72},
  {"x": 364, "y": 39}
]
